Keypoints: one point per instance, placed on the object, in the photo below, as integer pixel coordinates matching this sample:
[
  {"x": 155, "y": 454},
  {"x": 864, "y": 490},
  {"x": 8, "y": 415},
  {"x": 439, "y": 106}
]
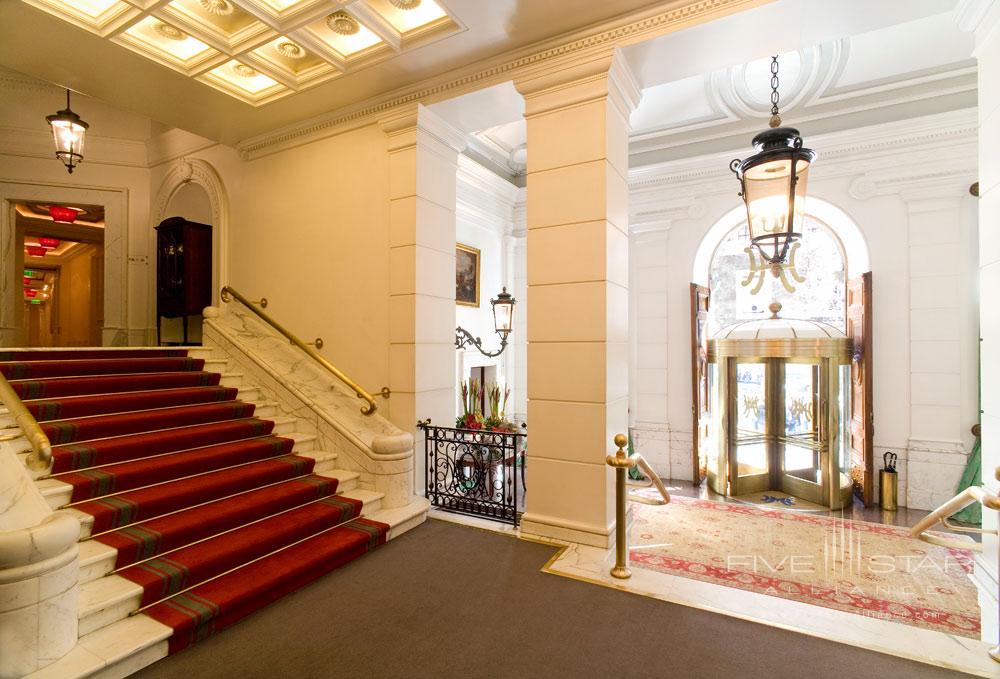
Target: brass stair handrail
[
  {"x": 40, "y": 457},
  {"x": 228, "y": 291},
  {"x": 969, "y": 496},
  {"x": 622, "y": 462}
]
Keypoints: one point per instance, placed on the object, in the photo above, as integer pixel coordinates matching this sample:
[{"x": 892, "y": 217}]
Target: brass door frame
[
  {"x": 775, "y": 477},
  {"x": 807, "y": 490}
]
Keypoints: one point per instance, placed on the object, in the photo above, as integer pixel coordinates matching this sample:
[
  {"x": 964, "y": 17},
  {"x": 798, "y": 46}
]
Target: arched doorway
[{"x": 832, "y": 286}]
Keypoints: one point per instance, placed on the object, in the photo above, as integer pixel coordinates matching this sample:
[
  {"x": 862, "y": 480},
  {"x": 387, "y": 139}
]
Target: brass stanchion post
[{"x": 621, "y": 463}]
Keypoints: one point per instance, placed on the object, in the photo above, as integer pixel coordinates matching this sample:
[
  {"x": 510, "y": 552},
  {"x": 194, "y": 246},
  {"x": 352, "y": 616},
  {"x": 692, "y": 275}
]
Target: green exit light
[
  {"x": 29, "y": 273},
  {"x": 36, "y": 301}
]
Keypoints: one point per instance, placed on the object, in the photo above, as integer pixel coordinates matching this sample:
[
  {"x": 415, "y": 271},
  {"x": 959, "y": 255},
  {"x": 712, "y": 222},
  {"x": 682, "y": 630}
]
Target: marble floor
[{"x": 593, "y": 565}]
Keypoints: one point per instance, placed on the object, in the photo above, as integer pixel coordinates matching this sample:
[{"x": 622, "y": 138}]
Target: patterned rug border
[{"x": 820, "y": 596}]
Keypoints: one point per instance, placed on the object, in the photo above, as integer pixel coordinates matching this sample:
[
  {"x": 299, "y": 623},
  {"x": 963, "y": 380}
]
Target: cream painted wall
[{"x": 309, "y": 231}]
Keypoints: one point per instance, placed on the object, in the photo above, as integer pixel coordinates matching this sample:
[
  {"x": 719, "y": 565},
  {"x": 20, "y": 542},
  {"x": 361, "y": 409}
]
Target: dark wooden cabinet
[{"x": 183, "y": 270}]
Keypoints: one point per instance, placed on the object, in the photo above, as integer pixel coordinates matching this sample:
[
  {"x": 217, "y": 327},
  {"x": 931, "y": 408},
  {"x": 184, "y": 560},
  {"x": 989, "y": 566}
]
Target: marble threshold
[{"x": 593, "y": 565}]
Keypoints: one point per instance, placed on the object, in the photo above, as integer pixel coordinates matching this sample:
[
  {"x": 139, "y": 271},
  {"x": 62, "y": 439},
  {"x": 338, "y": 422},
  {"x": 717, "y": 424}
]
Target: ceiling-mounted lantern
[
  {"x": 35, "y": 250},
  {"x": 61, "y": 213},
  {"x": 69, "y": 132},
  {"x": 773, "y": 184},
  {"x": 48, "y": 243}
]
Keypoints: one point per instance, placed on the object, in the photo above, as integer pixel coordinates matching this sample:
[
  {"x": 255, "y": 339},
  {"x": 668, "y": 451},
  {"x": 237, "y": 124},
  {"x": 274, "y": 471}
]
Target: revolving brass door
[{"x": 777, "y": 427}]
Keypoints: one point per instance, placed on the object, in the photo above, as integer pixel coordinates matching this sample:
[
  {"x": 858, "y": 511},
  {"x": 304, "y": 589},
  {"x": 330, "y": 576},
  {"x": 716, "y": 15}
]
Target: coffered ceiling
[
  {"x": 261, "y": 50},
  {"x": 94, "y": 54}
]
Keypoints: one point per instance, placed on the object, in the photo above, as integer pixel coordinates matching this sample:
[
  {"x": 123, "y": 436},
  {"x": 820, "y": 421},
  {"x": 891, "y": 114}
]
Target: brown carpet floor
[{"x": 449, "y": 601}]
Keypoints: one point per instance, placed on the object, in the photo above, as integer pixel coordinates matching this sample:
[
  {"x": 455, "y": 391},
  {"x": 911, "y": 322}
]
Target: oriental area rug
[{"x": 854, "y": 566}]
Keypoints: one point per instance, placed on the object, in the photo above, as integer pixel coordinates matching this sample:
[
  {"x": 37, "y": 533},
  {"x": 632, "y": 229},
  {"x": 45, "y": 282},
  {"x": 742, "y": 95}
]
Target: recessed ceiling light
[
  {"x": 343, "y": 23},
  {"x": 405, "y": 4},
  {"x": 168, "y": 31}
]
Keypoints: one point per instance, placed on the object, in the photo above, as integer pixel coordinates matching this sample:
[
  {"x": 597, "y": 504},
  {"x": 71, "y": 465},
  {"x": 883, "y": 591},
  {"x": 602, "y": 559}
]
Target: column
[
  {"x": 577, "y": 203},
  {"x": 423, "y": 162}
]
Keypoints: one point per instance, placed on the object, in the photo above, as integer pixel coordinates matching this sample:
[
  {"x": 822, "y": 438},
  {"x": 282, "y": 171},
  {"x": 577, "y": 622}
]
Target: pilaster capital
[
  {"x": 402, "y": 123},
  {"x": 587, "y": 77}
]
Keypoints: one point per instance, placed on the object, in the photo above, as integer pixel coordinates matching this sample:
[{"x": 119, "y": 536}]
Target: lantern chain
[{"x": 775, "y": 118}]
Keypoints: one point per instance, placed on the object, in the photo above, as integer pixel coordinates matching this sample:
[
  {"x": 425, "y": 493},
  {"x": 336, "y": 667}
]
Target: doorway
[{"x": 62, "y": 266}]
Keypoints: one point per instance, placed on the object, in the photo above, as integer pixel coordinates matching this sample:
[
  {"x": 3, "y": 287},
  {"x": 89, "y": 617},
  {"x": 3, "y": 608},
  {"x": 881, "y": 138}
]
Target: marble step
[
  {"x": 98, "y": 559},
  {"x": 231, "y": 379},
  {"x": 126, "y": 646},
  {"x": 216, "y": 365},
  {"x": 111, "y": 598},
  {"x": 58, "y": 494}
]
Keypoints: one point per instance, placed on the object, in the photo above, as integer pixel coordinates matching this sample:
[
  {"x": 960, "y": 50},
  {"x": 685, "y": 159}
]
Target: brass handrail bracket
[{"x": 310, "y": 348}]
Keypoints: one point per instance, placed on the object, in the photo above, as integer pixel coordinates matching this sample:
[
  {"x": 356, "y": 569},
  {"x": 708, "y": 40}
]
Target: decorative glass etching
[{"x": 820, "y": 297}]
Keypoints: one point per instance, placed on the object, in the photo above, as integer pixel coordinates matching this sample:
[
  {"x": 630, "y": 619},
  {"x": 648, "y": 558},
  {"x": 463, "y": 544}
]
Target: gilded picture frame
[{"x": 466, "y": 275}]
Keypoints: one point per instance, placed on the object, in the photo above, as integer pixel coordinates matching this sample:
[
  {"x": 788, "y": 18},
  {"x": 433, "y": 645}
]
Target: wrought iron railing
[{"x": 474, "y": 471}]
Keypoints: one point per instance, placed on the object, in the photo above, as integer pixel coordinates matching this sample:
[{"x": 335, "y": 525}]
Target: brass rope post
[{"x": 621, "y": 462}]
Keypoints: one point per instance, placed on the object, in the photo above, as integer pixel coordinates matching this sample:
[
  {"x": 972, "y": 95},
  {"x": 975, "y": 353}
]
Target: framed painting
[{"x": 466, "y": 275}]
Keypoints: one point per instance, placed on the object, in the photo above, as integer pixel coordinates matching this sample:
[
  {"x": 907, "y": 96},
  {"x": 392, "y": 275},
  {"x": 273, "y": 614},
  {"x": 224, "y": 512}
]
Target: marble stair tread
[
  {"x": 231, "y": 379},
  {"x": 98, "y": 559},
  {"x": 325, "y": 462},
  {"x": 108, "y": 599},
  {"x": 113, "y": 651},
  {"x": 402, "y": 519},
  {"x": 283, "y": 424},
  {"x": 58, "y": 493}
]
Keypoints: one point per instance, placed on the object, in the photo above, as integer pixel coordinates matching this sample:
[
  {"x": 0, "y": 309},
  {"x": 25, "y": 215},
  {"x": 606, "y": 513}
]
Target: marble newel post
[
  {"x": 423, "y": 167},
  {"x": 38, "y": 574},
  {"x": 577, "y": 198}
]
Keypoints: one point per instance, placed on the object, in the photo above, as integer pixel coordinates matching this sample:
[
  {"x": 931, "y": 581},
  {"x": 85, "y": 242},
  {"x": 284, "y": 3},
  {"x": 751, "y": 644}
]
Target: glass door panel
[
  {"x": 800, "y": 449},
  {"x": 752, "y": 461}
]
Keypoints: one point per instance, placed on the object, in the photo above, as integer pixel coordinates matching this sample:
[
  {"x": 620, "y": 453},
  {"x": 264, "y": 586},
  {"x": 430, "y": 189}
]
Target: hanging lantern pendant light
[
  {"x": 68, "y": 132},
  {"x": 773, "y": 186}
]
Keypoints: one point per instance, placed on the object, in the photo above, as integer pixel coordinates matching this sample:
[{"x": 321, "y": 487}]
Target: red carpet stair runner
[{"x": 198, "y": 506}]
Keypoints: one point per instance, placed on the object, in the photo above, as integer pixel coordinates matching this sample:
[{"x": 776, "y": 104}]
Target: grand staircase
[{"x": 198, "y": 504}]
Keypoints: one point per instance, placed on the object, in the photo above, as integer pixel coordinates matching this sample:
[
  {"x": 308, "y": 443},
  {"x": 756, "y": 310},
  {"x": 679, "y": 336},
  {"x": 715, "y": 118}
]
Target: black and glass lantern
[
  {"x": 503, "y": 323},
  {"x": 773, "y": 184},
  {"x": 68, "y": 132},
  {"x": 503, "y": 313}
]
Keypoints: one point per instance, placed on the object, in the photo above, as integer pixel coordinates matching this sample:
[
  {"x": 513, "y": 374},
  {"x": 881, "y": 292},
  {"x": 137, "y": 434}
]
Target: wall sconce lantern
[
  {"x": 773, "y": 186},
  {"x": 68, "y": 131},
  {"x": 503, "y": 323}
]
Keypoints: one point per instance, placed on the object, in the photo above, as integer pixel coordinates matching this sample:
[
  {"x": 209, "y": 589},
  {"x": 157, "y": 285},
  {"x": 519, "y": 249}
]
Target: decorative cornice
[{"x": 581, "y": 45}]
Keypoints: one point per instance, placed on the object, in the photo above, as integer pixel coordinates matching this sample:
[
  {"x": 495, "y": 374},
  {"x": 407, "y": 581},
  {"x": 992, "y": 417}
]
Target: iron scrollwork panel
[{"x": 473, "y": 472}]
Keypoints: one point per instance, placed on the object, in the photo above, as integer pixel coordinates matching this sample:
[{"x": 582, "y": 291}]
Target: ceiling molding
[
  {"x": 576, "y": 46},
  {"x": 922, "y": 157}
]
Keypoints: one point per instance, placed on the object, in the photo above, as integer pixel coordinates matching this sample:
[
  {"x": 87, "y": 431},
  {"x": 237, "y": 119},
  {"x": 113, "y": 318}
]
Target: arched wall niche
[
  {"x": 194, "y": 186},
  {"x": 843, "y": 226}
]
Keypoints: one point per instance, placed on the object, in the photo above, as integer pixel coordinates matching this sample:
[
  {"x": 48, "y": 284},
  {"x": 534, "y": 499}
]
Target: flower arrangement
[{"x": 472, "y": 416}]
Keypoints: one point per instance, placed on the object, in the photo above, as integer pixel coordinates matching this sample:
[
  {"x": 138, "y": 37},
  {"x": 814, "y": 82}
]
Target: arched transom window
[{"x": 820, "y": 261}]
